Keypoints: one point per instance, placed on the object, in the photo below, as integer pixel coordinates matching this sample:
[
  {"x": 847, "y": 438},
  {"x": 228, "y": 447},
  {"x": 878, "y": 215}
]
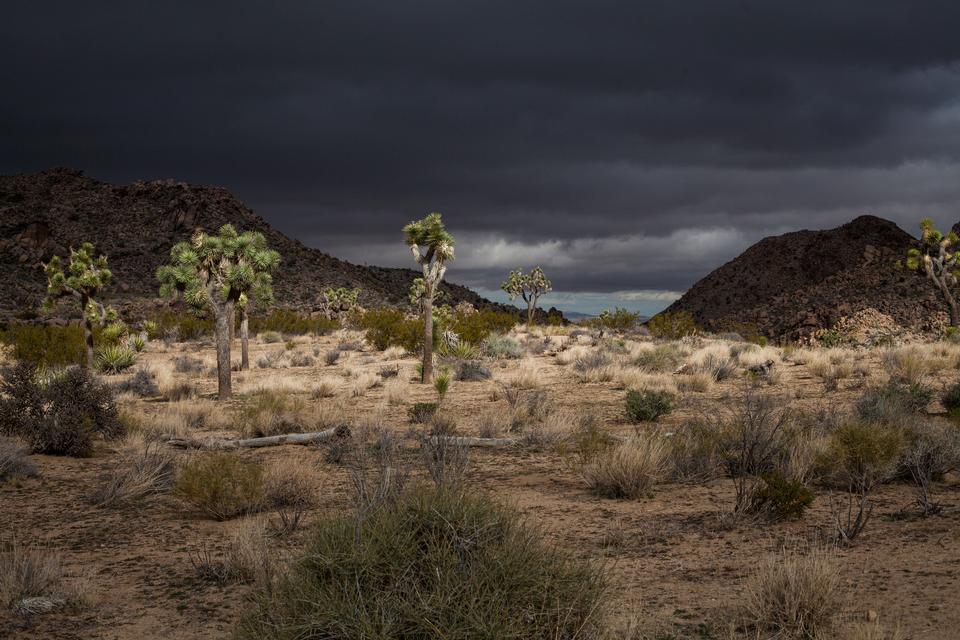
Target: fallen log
[
  {"x": 268, "y": 441},
  {"x": 466, "y": 441}
]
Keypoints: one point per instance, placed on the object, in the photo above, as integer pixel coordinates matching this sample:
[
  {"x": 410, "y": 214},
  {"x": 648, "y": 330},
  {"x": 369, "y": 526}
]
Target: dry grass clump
[
  {"x": 713, "y": 359},
  {"x": 270, "y": 413},
  {"x": 657, "y": 358},
  {"x": 15, "y": 460},
  {"x": 909, "y": 365},
  {"x": 526, "y": 377},
  {"x": 396, "y": 391},
  {"x": 289, "y": 482},
  {"x": 149, "y": 471},
  {"x": 221, "y": 485},
  {"x": 32, "y": 580},
  {"x": 871, "y": 631},
  {"x": 628, "y": 470},
  {"x": 326, "y": 387},
  {"x": 247, "y": 558},
  {"x": 795, "y": 596},
  {"x": 571, "y": 355},
  {"x": 556, "y": 427},
  {"x": 631, "y": 378},
  {"x": 394, "y": 353},
  {"x": 178, "y": 419},
  {"x": 363, "y": 383},
  {"x": 694, "y": 382},
  {"x": 755, "y": 355}
]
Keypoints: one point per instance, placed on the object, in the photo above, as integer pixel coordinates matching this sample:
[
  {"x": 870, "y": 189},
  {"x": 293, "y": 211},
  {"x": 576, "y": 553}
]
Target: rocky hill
[
  {"x": 42, "y": 214},
  {"x": 797, "y": 283}
]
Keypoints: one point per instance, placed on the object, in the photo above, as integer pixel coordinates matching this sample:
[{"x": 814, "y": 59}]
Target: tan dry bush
[
  {"x": 289, "y": 482},
  {"x": 604, "y": 373},
  {"x": 758, "y": 355},
  {"x": 556, "y": 427},
  {"x": 222, "y": 485},
  {"x": 326, "y": 387},
  {"x": 246, "y": 559},
  {"x": 278, "y": 382},
  {"x": 526, "y": 377},
  {"x": 15, "y": 460},
  {"x": 179, "y": 419},
  {"x": 714, "y": 359},
  {"x": 147, "y": 472},
  {"x": 32, "y": 580},
  {"x": 394, "y": 353},
  {"x": 632, "y": 378},
  {"x": 491, "y": 422},
  {"x": 363, "y": 383},
  {"x": 571, "y": 355},
  {"x": 909, "y": 365},
  {"x": 870, "y": 631},
  {"x": 270, "y": 413},
  {"x": 694, "y": 382},
  {"x": 397, "y": 390},
  {"x": 628, "y": 470},
  {"x": 794, "y": 596},
  {"x": 330, "y": 415}
]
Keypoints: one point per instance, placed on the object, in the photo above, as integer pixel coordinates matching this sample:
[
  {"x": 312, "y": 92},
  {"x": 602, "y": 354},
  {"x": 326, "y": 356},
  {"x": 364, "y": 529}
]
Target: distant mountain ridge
[
  {"x": 794, "y": 284},
  {"x": 45, "y": 213}
]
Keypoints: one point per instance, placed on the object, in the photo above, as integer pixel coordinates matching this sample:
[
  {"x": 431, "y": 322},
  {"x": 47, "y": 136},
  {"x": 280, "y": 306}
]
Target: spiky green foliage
[
  {"x": 528, "y": 286},
  {"x": 432, "y": 247},
  {"x": 938, "y": 257},
  {"x": 220, "y": 272},
  {"x": 334, "y": 302},
  {"x": 84, "y": 278}
]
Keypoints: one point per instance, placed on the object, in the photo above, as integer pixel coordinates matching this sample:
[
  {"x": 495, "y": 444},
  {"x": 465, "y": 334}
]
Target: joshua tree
[
  {"x": 530, "y": 287},
  {"x": 219, "y": 272},
  {"x": 253, "y": 253},
  {"x": 938, "y": 259},
  {"x": 84, "y": 279},
  {"x": 432, "y": 248},
  {"x": 334, "y": 301}
]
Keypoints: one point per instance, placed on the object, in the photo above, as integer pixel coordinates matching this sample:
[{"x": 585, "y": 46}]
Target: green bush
[
  {"x": 666, "y": 357},
  {"x": 780, "y": 497},
  {"x": 271, "y": 337},
  {"x": 619, "y": 319},
  {"x": 390, "y": 327},
  {"x": 647, "y": 405},
  {"x": 59, "y": 413},
  {"x": 500, "y": 346},
  {"x": 433, "y": 563},
  {"x": 422, "y": 412},
  {"x": 861, "y": 455},
  {"x": 292, "y": 323},
  {"x": 221, "y": 485},
  {"x": 183, "y": 326},
  {"x": 672, "y": 325},
  {"x": 475, "y": 327},
  {"x": 114, "y": 358},
  {"x": 45, "y": 346},
  {"x": 894, "y": 403}
]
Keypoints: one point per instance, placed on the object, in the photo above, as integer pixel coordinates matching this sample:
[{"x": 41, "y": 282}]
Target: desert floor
[{"x": 677, "y": 564}]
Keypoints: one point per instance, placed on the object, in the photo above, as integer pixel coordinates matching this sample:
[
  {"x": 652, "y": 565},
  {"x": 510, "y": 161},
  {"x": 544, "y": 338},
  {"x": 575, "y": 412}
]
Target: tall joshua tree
[
  {"x": 432, "y": 248},
  {"x": 938, "y": 258},
  {"x": 84, "y": 278},
  {"x": 530, "y": 287},
  {"x": 218, "y": 272}
]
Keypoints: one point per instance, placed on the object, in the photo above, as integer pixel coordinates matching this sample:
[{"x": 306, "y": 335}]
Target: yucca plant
[
  {"x": 461, "y": 350},
  {"x": 137, "y": 342},
  {"x": 114, "y": 358}
]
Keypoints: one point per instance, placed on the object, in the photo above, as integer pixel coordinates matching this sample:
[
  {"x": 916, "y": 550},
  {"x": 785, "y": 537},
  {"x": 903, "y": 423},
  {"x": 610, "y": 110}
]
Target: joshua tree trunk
[
  {"x": 233, "y": 325},
  {"x": 87, "y": 333},
  {"x": 244, "y": 340},
  {"x": 531, "y": 309},
  {"x": 947, "y": 296},
  {"x": 223, "y": 312},
  {"x": 427, "y": 336}
]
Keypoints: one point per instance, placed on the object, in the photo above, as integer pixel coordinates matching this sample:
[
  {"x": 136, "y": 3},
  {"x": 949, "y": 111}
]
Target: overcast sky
[{"x": 627, "y": 147}]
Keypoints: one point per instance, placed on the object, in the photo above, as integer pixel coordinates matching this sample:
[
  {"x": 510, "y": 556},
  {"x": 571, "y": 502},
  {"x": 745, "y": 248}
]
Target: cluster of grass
[{"x": 479, "y": 573}]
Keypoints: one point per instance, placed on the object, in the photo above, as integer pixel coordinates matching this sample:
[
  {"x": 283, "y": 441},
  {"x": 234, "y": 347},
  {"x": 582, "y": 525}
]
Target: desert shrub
[
  {"x": 330, "y": 357},
  {"x": 221, "y": 485},
  {"x": 619, "y": 319},
  {"x": 591, "y": 361},
  {"x": 292, "y": 323},
  {"x": 288, "y": 483},
  {"x": 299, "y": 359},
  {"x": 14, "y": 461},
  {"x": 421, "y": 412},
  {"x": 114, "y": 358},
  {"x": 951, "y": 399},
  {"x": 180, "y": 391},
  {"x": 479, "y": 572},
  {"x": 271, "y": 337},
  {"x": 444, "y": 457},
  {"x": 780, "y": 497},
  {"x": 860, "y": 457},
  {"x": 648, "y": 406},
  {"x": 183, "y": 326},
  {"x": 629, "y": 470},
  {"x": 269, "y": 413},
  {"x": 794, "y": 596},
  {"x": 830, "y": 338},
  {"x": 137, "y": 342},
  {"x": 894, "y": 403},
  {"x": 187, "y": 364},
  {"x": 696, "y": 452},
  {"x": 32, "y": 579},
  {"x": 931, "y": 451},
  {"x": 501, "y": 346},
  {"x": 472, "y": 371},
  {"x": 672, "y": 325},
  {"x": 528, "y": 405},
  {"x": 140, "y": 383},
  {"x": 150, "y": 471},
  {"x": 246, "y": 559},
  {"x": 58, "y": 415},
  {"x": 475, "y": 327},
  {"x": 45, "y": 346},
  {"x": 908, "y": 365},
  {"x": 390, "y": 327},
  {"x": 665, "y": 357},
  {"x": 459, "y": 350}
]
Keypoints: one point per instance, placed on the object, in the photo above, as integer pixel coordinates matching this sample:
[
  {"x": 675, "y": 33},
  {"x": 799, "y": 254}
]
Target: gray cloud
[{"x": 626, "y": 146}]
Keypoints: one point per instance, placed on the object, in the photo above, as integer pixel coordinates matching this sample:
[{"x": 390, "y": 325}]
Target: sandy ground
[{"x": 673, "y": 564}]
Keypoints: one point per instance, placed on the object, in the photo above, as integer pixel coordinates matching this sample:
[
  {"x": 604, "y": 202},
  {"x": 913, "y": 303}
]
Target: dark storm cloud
[{"x": 626, "y": 145}]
